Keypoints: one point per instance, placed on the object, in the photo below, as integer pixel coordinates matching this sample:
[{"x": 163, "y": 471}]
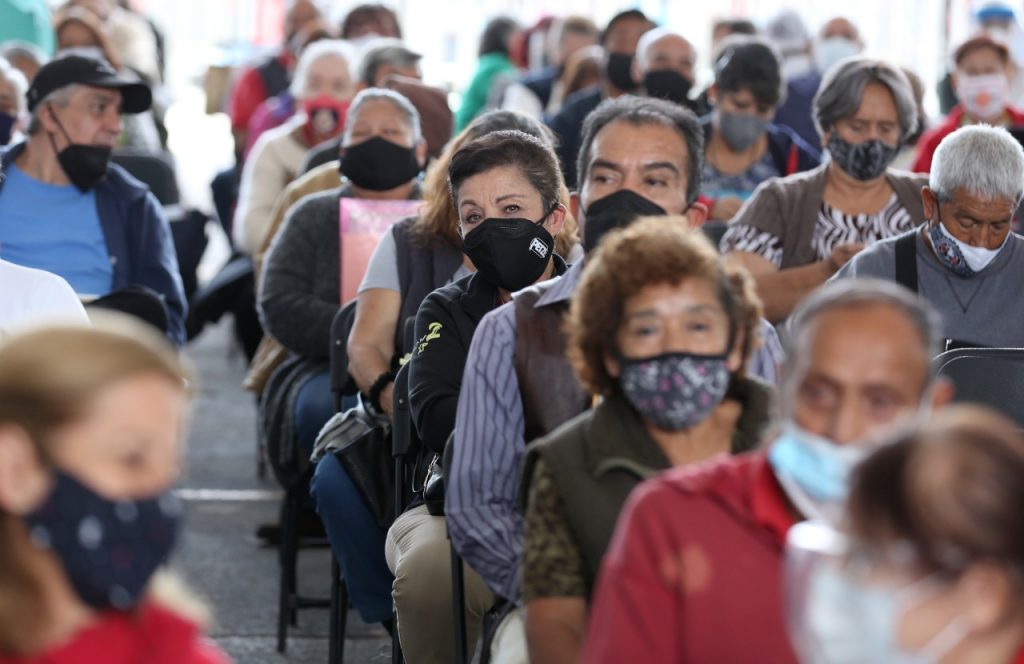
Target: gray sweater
[{"x": 984, "y": 310}]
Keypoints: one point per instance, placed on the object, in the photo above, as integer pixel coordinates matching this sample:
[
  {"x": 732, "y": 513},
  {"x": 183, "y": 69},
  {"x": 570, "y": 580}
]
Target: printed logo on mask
[{"x": 538, "y": 247}]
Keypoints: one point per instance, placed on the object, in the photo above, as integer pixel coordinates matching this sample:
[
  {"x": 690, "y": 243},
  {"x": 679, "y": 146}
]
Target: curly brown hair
[{"x": 649, "y": 251}]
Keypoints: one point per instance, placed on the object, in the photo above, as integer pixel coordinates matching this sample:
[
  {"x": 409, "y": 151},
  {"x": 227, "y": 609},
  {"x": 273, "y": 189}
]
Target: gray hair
[
  {"x": 852, "y": 294},
  {"x": 60, "y": 97},
  {"x": 648, "y": 39},
  {"x": 17, "y": 81},
  {"x": 984, "y": 161},
  {"x": 325, "y": 48},
  {"x": 842, "y": 90},
  {"x": 412, "y": 116},
  {"x": 390, "y": 52}
]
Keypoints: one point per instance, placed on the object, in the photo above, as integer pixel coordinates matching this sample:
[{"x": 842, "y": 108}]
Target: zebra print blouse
[{"x": 834, "y": 227}]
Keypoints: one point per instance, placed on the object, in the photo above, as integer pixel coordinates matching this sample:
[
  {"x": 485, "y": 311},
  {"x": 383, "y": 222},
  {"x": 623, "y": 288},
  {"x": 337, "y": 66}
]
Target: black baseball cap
[{"x": 84, "y": 70}]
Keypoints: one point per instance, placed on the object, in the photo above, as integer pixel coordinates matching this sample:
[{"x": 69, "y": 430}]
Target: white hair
[
  {"x": 982, "y": 160},
  {"x": 17, "y": 81},
  {"x": 325, "y": 48},
  {"x": 399, "y": 101},
  {"x": 648, "y": 38}
]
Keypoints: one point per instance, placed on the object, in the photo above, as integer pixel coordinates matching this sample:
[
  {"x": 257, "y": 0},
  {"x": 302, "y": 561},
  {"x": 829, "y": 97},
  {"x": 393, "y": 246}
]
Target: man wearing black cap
[{"x": 66, "y": 209}]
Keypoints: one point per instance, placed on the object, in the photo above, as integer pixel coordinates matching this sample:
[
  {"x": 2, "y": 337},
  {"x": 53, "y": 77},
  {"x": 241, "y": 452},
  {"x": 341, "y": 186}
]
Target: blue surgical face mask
[
  {"x": 847, "y": 620},
  {"x": 109, "y": 549},
  {"x": 814, "y": 471}
]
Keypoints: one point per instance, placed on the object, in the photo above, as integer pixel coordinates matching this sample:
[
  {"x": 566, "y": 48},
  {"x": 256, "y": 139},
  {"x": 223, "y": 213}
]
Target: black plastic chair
[
  {"x": 990, "y": 376},
  {"x": 155, "y": 170},
  {"x": 714, "y": 231},
  {"x": 458, "y": 575}
]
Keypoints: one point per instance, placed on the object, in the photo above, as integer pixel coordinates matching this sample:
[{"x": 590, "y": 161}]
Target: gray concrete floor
[{"x": 219, "y": 556}]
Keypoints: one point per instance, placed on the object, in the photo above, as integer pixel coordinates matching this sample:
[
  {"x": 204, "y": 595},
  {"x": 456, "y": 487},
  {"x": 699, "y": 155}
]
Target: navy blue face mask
[
  {"x": 6, "y": 127},
  {"x": 109, "y": 549}
]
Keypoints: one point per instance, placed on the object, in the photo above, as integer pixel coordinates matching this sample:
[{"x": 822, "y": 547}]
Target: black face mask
[
  {"x": 7, "y": 122},
  {"x": 667, "y": 84},
  {"x": 619, "y": 70},
  {"x": 85, "y": 165},
  {"x": 616, "y": 210},
  {"x": 510, "y": 253},
  {"x": 378, "y": 164}
]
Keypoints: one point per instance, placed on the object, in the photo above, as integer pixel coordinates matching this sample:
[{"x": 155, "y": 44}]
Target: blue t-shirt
[{"x": 54, "y": 228}]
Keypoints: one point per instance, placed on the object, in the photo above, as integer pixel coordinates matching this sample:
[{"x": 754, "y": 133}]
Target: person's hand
[
  {"x": 725, "y": 208},
  {"x": 842, "y": 253},
  {"x": 387, "y": 404}
]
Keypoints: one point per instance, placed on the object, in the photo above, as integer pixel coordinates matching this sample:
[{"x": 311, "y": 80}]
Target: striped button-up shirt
[{"x": 480, "y": 502}]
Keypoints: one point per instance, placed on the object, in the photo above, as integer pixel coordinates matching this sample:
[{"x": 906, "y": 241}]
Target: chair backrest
[
  {"x": 714, "y": 231},
  {"x": 990, "y": 376},
  {"x": 155, "y": 170}
]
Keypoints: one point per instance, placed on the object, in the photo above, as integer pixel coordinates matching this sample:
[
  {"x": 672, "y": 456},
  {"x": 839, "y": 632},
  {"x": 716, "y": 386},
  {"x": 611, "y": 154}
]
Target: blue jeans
[
  {"x": 314, "y": 405},
  {"x": 356, "y": 539}
]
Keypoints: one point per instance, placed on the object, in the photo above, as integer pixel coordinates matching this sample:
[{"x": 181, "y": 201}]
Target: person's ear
[
  {"x": 942, "y": 393},
  {"x": 421, "y": 153},
  {"x": 23, "y": 481},
  {"x": 611, "y": 365},
  {"x": 734, "y": 361},
  {"x": 930, "y": 203},
  {"x": 987, "y": 594},
  {"x": 574, "y": 205},
  {"x": 697, "y": 214},
  {"x": 713, "y": 95},
  {"x": 556, "y": 220}
]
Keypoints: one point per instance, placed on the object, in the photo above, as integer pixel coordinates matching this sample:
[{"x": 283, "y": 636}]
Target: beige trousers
[{"x": 419, "y": 555}]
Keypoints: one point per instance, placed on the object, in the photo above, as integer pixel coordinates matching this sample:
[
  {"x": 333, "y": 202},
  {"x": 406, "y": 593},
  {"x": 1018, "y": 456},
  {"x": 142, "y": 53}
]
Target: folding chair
[{"x": 990, "y": 376}]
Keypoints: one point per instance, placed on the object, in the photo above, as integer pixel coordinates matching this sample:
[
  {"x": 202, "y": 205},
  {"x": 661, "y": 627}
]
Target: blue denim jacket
[{"x": 138, "y": 239}]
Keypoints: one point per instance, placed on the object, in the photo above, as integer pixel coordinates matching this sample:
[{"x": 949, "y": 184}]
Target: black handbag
[{"x": 367, "y": 461}]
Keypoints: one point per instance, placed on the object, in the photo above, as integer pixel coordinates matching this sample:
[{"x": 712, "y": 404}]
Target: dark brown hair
[
  {"x": 953, "y": 491},
  {"x": 649, "y": 251},
  {"x": 979, "y": 42},
  {"x": 530, "y": 156},
  {"x": 377, "y": 15}
]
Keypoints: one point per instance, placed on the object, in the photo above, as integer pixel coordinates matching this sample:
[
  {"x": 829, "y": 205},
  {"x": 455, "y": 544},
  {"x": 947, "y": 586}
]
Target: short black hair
[
  {"x": 496, "y": 35},
  {"x": 639, "y": 111},
  {"x": 531, "y": 156},
  {"x": 628, "y": 15},
  {"x": 750, "y": 63}
]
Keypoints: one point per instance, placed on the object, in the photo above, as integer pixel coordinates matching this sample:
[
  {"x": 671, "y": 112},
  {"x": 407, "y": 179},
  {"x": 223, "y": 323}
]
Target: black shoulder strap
[{"x": 906, "y": 261}]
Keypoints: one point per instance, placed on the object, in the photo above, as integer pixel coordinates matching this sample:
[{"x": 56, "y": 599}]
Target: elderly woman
[
  {"x": 322, "y": 87},
  {"x": 427, "y": 250},
  {"x": 661, "y": 330},
  {"x": 90, "y": 446},
  {"x": 742, "y": 147},
  {"x": 12, "y": 102},
  {"x": 506, "y": 189},
  {"x": 928, "y": 567},
  {"x": 796, "y": 232}
]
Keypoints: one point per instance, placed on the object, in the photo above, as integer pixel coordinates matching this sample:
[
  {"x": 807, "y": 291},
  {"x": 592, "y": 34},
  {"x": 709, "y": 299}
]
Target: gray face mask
[{"x": 740, "y": 130}]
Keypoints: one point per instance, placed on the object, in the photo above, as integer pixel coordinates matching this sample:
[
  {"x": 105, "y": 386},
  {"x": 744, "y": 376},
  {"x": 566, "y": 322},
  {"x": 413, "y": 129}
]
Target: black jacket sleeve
[{"x": 435, "y": 375}]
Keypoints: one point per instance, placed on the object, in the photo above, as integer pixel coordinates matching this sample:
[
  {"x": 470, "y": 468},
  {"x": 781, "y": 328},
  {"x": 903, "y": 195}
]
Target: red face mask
[{"x": 325, "y": 118}]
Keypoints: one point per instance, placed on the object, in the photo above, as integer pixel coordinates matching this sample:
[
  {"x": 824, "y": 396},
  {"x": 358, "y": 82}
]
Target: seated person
[
  {"x": 66, "y": 209},
  {"x": 963, "y": 259},
  {"x": 930, "y": 554},
  {"x": 29, "y": 296},
  {"x": 742, "y": 147},
  {"x": 699, "y": 548},
  {"x": 506, "y": 188},
  {"x": 982, "y": 80},
  {"x": 91, "y": 435},
  {"x": 797, "y": 231},
  {"x": 323, "y": 88},
  {"x": 12, "y": 103},
  {"x": 661, "y": 330},
  {"x": 419, "y": 255},
  {"x": 664, "y": 66}
]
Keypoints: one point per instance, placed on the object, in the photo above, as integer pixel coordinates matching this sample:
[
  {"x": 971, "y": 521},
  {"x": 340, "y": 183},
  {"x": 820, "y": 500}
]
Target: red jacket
[
  {"x": 153, "y": 635},
  {"x": 693, "y": 573},
  {"x": 930, "y": 140}
]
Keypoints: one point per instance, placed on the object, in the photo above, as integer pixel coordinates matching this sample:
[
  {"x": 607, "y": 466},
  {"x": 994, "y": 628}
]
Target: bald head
[
  {"x": 662, "y": 49},
  {"x": 840, "y": 27}
]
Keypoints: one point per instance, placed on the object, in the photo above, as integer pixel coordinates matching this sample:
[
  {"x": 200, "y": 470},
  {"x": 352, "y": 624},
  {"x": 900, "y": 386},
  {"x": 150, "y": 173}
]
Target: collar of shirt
[
  {"x": 564, "y": 287},
  {"x": 769, "y": 505}
]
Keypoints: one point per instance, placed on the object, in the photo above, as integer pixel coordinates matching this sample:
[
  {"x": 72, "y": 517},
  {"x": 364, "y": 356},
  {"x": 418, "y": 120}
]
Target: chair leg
[
  {"x": 459, "y": 608},
  {"x": 339, "y": 615},
  {"x": 286, "y": 560}
]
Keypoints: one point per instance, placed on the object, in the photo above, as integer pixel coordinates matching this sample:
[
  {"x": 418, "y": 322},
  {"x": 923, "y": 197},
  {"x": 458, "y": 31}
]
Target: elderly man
[
  {"x": 65, "y": 209},
  {"x": 963, "y": 259},
  {"x": 693, "y": 570},
  {"x": 619, "y": 39},
  {"x": 12, "y": 101},
  {"x": 664, "y": 66}
]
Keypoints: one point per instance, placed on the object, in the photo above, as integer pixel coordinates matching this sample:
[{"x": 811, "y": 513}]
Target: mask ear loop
[{"x": 53, "y": 114}]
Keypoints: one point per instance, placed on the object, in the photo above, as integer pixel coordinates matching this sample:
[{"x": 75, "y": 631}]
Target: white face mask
[
  {"x": 831, "y": 50},
  {"x": 983, "y": 97},
  {"x": 953, "y": 253}
]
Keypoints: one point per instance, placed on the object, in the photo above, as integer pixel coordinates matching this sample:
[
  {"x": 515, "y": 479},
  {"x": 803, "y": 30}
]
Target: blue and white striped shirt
[{"x": 480, "y": 502}]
